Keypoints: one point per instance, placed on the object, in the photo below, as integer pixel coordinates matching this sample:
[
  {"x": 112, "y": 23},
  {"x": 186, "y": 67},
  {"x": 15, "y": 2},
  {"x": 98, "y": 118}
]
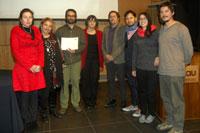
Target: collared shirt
[{"x": 111, "y": 32}]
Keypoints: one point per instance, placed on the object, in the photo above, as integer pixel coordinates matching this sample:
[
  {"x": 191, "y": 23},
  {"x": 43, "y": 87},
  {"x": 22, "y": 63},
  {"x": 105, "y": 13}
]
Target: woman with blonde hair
[{"x": 52, "y": 70}]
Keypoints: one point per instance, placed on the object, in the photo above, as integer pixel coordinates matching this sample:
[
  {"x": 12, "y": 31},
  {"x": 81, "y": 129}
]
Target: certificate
[{"x": 69, "y": 43}]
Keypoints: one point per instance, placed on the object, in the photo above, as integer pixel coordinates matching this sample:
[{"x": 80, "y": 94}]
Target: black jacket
[{"x": 58, "y": 64}]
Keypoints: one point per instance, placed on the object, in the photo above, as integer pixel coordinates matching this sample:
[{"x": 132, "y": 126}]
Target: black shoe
[
  {"x": 111, "y": 103},
  {"x": 31, "y": 126},
  {"x": 93, "y": 106},
  {"x": 123, "y": 105},
  {"x": 90, "y": 107},
  {"x": 87, "y": 107},
  {"x": 55, "y": 114},
  {"x": 34, "y": 125},
  {"x": 45, "y": 117}
]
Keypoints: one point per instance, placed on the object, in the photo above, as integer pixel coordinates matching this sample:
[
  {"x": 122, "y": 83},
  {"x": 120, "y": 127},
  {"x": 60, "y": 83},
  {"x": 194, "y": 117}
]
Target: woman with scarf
[
  {"x": 131, "y": 28},
  {"x": 52, "y": 70},
  {"x": 145, "y": 63}
]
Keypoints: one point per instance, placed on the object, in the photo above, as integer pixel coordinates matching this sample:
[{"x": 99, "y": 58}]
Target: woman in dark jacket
[
  {"x": 145, "y": 63},
  {"x": 91, "y": 62},
  {"x": 52, "y": 70}
]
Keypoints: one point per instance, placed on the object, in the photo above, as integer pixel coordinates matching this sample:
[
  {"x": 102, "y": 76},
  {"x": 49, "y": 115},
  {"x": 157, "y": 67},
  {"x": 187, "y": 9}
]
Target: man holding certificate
[{"x": 71, "y": 38}]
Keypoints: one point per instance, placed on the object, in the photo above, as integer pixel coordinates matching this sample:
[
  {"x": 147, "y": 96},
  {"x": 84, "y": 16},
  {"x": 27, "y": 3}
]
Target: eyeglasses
[{"x": 143, "y": 19}]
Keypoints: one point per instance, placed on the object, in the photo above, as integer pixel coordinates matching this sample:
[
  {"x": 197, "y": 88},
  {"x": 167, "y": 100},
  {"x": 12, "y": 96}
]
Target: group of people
[{"x": 137, "y": 51}]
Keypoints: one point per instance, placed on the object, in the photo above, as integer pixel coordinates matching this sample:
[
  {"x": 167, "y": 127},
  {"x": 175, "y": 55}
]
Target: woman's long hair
[{"x": 148, "y": 31}]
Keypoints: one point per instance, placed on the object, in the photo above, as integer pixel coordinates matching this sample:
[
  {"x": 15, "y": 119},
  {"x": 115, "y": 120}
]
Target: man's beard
[
  {"x": 71, "y": 21},
  {"x": 163, "y": 22}
]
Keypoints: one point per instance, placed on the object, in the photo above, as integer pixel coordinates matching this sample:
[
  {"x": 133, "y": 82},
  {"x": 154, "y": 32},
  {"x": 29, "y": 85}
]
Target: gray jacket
[
  {"x": 117, "y": 46},
  {"x": 145, "y": 50}
]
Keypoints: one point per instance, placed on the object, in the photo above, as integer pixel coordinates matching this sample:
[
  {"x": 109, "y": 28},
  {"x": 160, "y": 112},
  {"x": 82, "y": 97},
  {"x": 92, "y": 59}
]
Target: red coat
[
  {"x": 27, "y": 52},
  {"x": 99, "y": 41}
]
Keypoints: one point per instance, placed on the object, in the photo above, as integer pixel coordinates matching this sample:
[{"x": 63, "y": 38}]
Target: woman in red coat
[
  {"x": 92, "y": 60},
  {"x": 28, "y": 54}
]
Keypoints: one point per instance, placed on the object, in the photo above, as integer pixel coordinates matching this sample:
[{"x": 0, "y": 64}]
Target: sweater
[
  {"x": 175, "y": 49},
  {"x": 145, "y": 50}
]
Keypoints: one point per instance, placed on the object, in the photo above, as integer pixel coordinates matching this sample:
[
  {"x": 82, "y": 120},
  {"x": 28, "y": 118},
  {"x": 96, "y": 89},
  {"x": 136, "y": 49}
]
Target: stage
[{"x": 10, "y": 119}]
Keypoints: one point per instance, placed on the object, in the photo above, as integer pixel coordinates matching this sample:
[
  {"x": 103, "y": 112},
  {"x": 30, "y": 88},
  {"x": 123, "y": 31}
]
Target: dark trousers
[
  {"x": 112, "y": 71},
  {"x": 132, "y": 83},
  {"x": 28, "y": 104},
  {"x": 48, "y": 96},
  {"x": 147, "y": 84},
  {"x": 47, "y": 100},
  {"x": 89, "y": 81}
]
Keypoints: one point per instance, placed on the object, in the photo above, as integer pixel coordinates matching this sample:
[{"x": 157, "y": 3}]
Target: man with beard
[
  {"x": 175, "y": 52},
  {"x": 71, "y": 58},
  {"x": 113, "y": 51}
]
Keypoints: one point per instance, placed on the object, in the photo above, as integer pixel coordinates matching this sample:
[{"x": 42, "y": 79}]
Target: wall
[{"x": 6, "y": 25}]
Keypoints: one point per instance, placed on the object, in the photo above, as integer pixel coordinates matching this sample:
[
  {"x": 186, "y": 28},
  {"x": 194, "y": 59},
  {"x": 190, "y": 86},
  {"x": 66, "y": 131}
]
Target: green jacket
[{"x": 66, "y": 31}]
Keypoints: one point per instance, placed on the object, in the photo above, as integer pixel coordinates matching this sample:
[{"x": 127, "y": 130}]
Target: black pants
[
  {"x": 47, "y": 100},
  {"x": 89, "y": 81},
  {"x": 112, "y": 71},
  {"x": 28, "y": 104},
  {"x": 48, "y": 96},
  {"x": 147, "y": 84}
]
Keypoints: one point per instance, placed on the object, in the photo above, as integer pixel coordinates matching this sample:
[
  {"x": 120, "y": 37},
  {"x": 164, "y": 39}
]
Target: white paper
[{"x": 69, "y": 43}]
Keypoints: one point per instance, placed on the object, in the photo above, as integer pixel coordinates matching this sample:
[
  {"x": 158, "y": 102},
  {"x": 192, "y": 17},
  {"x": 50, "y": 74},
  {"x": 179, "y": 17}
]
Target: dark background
[{"x": 188, "y": 12}]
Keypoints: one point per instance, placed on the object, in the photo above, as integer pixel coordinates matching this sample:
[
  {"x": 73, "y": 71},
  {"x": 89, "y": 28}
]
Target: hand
[
  {"x": 35, "y": 68},
  {"x": 101, "y": 69},
  {"x": 109, "y": 58},
  {"x": 71, "y": 51},
  {"x": 32, "y": 69},
  {"x": 156, "y": 61},
  {"x": 38, "y": 68},
  {"x": 134, "y": 73}
]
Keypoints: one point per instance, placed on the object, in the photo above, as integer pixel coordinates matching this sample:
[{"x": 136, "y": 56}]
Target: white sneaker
[
  {"x": 164, "y": 126},
  {"x": 149, "y": 119},
  {"x": 137, "y": 113},
  {"x": 174, "y": 131},
  {"x": 130, "y": 108},
  {"x": 142, "y": 119}
]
